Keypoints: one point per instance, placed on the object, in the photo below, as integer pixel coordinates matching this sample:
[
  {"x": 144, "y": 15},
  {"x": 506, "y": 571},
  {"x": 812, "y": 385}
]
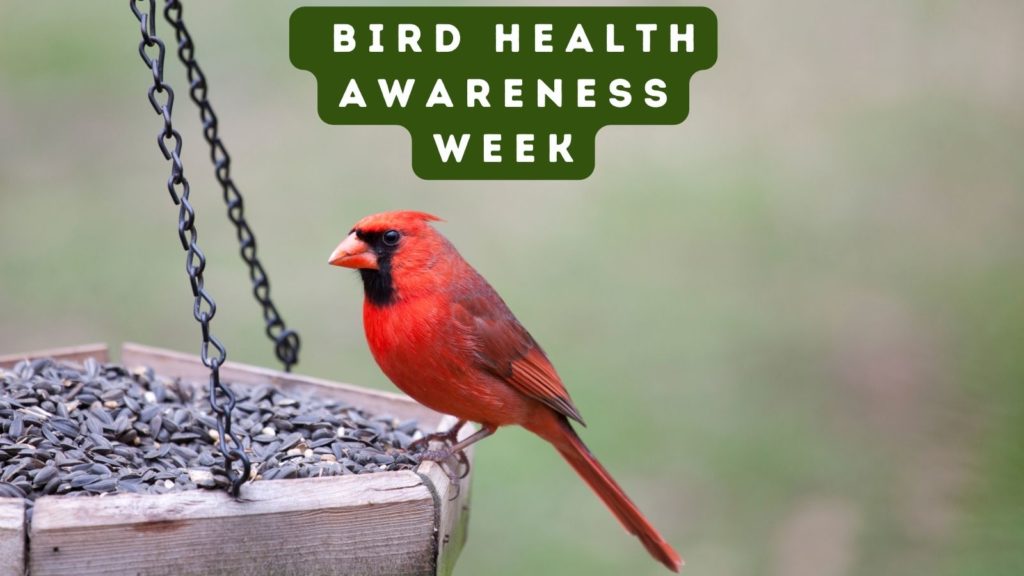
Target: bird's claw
[{"x": 463, "y": 464}]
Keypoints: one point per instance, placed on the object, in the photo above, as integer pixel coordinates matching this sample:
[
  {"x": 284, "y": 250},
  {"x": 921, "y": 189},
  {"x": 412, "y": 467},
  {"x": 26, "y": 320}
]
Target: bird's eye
[{"x": 391, "y": 237}]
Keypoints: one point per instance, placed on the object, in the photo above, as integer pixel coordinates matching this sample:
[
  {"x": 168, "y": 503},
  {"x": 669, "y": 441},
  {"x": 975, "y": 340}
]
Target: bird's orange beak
[{"x": 353, "y": 253}]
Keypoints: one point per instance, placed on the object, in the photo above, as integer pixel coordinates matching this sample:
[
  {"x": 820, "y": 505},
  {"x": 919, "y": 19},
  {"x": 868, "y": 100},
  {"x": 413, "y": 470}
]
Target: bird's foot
[
  {"x": 445, "y": 457},
  {"x": 449, "y": 437}
]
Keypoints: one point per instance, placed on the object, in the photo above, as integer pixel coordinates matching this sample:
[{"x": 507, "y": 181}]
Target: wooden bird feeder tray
[{"x": 402, "y": 522}]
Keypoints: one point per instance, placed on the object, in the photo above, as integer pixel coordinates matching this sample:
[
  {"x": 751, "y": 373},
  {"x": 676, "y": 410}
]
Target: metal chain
[
  {"x": 286, "y": 342},
  {"x": 161, "y": 97}
]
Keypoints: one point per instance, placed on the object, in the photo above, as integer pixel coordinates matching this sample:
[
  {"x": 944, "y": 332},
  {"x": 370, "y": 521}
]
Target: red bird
[{"x": 444, "y": 336}]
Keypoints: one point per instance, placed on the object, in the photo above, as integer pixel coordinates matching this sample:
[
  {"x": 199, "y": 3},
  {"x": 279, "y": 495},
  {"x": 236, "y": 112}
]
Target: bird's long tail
[{"x": 557, "y": 430}]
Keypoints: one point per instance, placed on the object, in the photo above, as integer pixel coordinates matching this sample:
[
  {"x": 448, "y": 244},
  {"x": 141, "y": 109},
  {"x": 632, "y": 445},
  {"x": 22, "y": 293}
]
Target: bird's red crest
[{"x": 399, "y": 219}]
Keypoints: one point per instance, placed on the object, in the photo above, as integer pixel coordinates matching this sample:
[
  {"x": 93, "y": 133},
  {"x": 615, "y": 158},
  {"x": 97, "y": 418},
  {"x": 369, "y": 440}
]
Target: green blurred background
[{"x": 795, "y": 322}]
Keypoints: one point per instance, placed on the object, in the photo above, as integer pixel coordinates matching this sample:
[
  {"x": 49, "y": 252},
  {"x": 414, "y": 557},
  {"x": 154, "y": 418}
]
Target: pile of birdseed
[{"x": 99, "y": 428}]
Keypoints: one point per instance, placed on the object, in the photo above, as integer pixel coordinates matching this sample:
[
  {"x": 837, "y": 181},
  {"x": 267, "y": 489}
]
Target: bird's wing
[{"x": 504, "y": 348}]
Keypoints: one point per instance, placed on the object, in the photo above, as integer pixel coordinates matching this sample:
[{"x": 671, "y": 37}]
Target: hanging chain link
[
  {"x": 286, "y": 342},
  {"x": 161, "y": 97}
]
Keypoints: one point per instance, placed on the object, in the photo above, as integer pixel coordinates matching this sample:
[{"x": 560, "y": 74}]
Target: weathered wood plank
[
  {"x": 69, "y": 353},
  {"x": 190, "y": 368},
  {"x": 452, "y": 513},
  {"x": 12, "y": 537},
  {"x": 370, "y": 524}
]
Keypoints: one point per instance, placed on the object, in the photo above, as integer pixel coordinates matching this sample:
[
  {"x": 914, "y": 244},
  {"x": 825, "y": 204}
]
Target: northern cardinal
[{"x": 444, "y": 336}]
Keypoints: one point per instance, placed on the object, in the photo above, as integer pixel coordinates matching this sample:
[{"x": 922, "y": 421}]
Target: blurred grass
[{"x": 794, "y": 323}]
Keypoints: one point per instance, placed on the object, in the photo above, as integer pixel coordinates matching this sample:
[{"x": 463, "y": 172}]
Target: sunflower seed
[{"x": 17, "y": 426}]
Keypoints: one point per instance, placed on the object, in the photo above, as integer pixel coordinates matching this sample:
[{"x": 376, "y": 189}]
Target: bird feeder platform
[{"x": 388, "y": 522}]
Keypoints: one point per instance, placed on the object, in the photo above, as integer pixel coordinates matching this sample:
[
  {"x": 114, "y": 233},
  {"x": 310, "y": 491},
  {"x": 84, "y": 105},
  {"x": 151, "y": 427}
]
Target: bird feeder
[
  {"x": 406, "y": 522},
  {"x": 385, "y": 522}
]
